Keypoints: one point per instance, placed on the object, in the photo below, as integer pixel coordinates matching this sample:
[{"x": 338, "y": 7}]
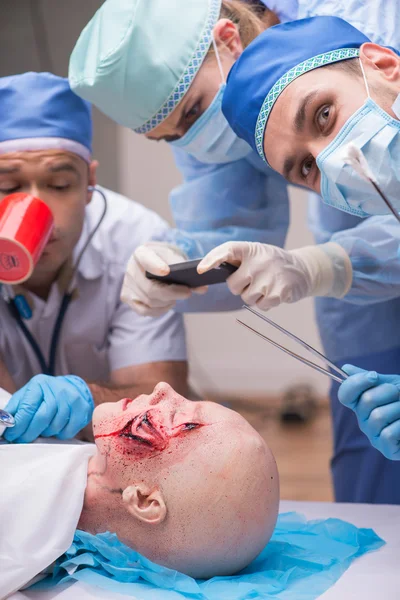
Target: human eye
[
  {"x": 189, "y": 426},
  {"x": 7, "y": 191},
  {"x": 61, "y": 187},
  {"x": 322, "y": 117},
  {"x": 306, "y": 167},
  {"x": 59, "y": 184},
  {"x": 7, "y": 188},
  {"x": 193, "y": 113}
]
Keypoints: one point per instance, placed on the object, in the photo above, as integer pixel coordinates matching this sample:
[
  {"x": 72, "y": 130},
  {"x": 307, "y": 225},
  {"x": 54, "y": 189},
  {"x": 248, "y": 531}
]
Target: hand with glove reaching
[
  {"x": 375, "y": 399},
  {"x": 147, "y": 296},
  {"x": 268, "y": 276},
  {"x": 49, "y": 407}
]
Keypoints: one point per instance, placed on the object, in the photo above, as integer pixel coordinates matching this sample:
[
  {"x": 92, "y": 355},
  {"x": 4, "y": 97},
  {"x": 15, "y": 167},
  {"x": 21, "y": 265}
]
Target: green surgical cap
[{"x": 136, "y": 59}]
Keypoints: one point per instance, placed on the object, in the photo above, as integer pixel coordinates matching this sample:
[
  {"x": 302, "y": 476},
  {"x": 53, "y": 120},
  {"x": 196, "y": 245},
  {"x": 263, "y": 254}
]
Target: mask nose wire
[
  {"x": 364, "y": 77},
  {"x": 221, "y": 72}
]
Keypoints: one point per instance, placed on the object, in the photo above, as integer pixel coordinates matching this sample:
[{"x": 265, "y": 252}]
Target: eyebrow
[
  {"x": 63, "y": 167},
  {"x": 300, "y": 117}
]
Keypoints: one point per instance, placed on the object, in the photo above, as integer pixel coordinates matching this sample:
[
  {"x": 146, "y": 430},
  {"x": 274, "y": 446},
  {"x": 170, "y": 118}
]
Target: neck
[
  {"x": 40, "y": 282},
  {"x": 40, "y": 289},
  {"x": 101, "y": 501}
]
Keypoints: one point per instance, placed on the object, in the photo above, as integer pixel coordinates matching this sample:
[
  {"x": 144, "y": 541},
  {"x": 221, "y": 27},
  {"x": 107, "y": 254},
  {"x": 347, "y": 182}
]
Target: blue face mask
[
  {"x": 376, "y": 133},
  {"x": 210, "y": 139}
]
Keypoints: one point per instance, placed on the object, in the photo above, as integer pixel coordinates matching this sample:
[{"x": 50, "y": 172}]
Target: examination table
[{"x": 375, "y": 575}]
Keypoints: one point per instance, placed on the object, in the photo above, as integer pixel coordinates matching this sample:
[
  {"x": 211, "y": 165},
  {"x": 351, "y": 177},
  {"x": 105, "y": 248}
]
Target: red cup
[{"x": 26, "y": 224}]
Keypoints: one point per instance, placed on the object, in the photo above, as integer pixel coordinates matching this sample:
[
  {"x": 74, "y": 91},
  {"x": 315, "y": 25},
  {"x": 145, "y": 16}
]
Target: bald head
[{"x": 190, "y": 485}]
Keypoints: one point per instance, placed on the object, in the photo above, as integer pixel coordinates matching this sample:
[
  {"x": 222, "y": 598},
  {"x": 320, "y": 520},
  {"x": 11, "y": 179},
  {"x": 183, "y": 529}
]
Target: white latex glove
[
  {"x": 268, "y": 275},
  {"x": 147, "y": 296}
]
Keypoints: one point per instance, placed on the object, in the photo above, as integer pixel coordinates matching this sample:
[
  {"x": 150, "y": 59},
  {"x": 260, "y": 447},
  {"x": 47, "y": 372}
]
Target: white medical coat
[{"x": 100, "y": 334}]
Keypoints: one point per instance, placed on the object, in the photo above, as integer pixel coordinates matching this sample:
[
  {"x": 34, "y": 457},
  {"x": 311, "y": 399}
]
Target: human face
[
  {"x": 61, "y": 180},
  {"x": 201, "y": 484},
  {"x": 312, "y": 110},
  {"x": 157, "y": 430},
  {"x": 306, "y": 118},
  {"x": 205, "y": 85}
]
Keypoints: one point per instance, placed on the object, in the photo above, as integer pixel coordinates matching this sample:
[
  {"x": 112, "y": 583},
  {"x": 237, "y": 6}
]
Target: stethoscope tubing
[{"x": 50, "y": 367}]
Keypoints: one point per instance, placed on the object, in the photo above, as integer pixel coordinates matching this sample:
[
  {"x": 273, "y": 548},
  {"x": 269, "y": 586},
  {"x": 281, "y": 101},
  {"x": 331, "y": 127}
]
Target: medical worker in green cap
[{"x": 160, "y": 68}]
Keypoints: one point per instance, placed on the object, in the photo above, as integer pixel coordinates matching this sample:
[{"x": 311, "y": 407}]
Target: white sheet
[
  {"x": 373, "y": 576},
  {"x": 41, "y": 499}
]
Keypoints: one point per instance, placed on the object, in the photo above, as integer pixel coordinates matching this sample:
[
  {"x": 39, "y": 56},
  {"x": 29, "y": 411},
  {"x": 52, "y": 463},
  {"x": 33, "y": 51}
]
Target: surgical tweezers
[
  {"x": 6, "y": 420},
  {"x": 339, "y": 377}
]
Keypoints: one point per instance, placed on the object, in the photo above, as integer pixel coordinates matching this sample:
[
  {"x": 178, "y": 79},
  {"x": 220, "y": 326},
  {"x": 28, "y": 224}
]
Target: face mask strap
[
  {"x": 364, "y": 77},
  {"x": 221, "y": 72}
]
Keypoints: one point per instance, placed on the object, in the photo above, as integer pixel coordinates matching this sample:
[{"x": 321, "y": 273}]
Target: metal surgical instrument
[
  {"x": 340, "y": 375},
  {"x": 6, "y": 420}
]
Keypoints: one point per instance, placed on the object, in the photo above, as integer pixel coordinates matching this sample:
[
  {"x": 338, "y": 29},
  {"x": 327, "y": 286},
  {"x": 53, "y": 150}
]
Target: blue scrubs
[
  {"x": 245, "y": 200},
  {"x": 366, "y": 335}
]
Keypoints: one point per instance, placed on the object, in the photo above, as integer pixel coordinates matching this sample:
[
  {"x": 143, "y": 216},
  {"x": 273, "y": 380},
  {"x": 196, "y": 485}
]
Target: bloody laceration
[{"x": 147, "y": 433}]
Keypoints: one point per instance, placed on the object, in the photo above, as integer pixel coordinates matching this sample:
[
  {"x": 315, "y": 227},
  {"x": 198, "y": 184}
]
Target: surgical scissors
[{"x": 339, "y": 377}]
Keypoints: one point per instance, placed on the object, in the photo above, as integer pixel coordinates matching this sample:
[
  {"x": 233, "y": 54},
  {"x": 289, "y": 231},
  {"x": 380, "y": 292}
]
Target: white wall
[
  {"x": 40, "y": 36},
  {"x": 225, "y": 358}
]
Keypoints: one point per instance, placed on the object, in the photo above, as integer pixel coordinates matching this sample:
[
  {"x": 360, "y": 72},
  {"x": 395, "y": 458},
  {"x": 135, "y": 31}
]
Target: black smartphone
[{"x": 185, "y": 273}]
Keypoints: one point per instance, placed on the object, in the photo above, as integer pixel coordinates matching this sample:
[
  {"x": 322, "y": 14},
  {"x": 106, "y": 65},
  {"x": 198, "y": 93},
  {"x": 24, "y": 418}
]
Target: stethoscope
[{"x": 19, "y": 308}]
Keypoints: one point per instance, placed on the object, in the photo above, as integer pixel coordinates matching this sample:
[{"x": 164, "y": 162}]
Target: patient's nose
[{"x": 162, "y": 391}]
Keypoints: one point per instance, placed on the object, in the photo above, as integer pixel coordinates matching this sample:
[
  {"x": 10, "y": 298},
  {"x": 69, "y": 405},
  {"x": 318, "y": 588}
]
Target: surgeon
[
  {"x": 230, "y": 193},
  {"x": 317, "y": 86},
  {"x": 66, "y": 341}
]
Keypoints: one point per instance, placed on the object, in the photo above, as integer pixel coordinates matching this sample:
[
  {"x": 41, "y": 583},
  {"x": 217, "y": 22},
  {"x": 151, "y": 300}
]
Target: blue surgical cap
[
  {"x": 276, "y": 58},
  {"x": 39, "y": 111}
]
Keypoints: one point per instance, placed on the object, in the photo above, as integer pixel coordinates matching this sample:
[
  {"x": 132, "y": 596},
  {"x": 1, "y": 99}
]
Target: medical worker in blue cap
[
  {"x": 335, "y": 88},
  {"x": 66, "y": 340},
  {"x": 153, "y": 67}
]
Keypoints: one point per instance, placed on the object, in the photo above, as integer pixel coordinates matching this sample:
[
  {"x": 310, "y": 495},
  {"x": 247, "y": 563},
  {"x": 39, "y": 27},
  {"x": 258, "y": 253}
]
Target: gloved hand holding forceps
[{"x": 49, "y": 407}]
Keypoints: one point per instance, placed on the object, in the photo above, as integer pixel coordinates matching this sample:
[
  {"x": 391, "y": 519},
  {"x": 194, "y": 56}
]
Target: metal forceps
[{"x": 340, "y": 375}]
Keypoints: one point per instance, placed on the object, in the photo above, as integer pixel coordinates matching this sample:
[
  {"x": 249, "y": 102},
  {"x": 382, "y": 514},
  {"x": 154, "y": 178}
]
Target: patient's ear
[{"x": 145, "y": 504}]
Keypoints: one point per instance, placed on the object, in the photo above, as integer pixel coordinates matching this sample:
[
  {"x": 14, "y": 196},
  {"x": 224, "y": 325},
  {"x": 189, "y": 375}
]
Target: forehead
[
  {"x": 314, "y": 81},
  {"x": 291, "y": 112},
  {"x": 42, "y": 158}
]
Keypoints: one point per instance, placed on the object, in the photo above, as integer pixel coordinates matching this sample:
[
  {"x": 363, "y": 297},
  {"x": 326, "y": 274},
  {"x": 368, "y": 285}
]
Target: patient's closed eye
[{"x": 189, "y": 426}]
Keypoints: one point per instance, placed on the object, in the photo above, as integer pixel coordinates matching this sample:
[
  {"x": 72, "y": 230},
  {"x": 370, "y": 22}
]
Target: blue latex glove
[
  {"x": 50, "y": 407},
  {"x": 375, "y": 400}
]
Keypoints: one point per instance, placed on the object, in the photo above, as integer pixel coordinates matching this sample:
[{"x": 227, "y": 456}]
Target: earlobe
[{"x": 148, "y": 506}]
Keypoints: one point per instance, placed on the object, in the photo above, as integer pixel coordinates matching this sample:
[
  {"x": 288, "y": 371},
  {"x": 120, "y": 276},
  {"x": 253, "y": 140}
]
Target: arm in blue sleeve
[
  {"x": 220, "y": 203},
  {"x": 373, "y": 248},
  {"x": 224, "y": 202}
]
